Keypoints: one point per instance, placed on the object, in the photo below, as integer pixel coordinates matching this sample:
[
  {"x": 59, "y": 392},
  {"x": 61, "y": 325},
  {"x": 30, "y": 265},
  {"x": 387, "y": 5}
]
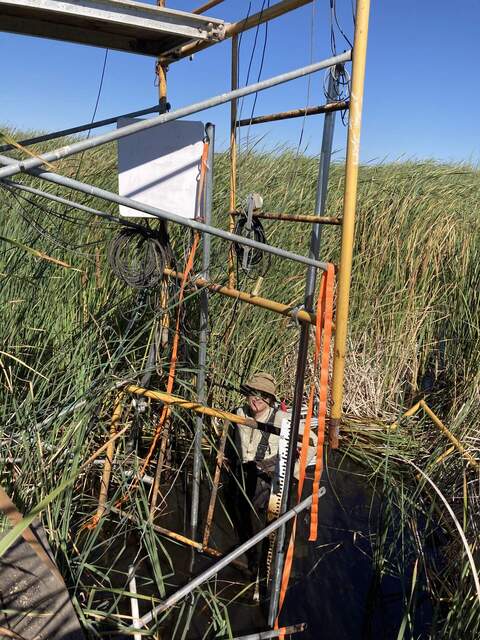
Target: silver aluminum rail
[
  {"x": 225, "y": 561},
  {"x": 166, "y": 215},
  {"x": 83, "y": 145},
  {"x": 80, "y": 128}
]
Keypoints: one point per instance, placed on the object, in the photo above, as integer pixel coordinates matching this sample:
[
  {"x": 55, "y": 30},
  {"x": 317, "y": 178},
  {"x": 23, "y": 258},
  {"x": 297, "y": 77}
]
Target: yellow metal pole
[
  {"x": 162, "y": 76},
  {"x": 176, "y": 536},
  {"x": 233, "y": 160},
  {"x": 216, "y": 482},
  {"x": 159, "y": 467},
  {"x": 249, "y": 298},
  {"x": 170, "y": 399},
  {"x": 349, "y": 205},
  {"x": 165, "y": 321},
  {"x": 457, "y": 444},
  {"x": 410, "y": 412},
  {"x": 108, "y": 464}
]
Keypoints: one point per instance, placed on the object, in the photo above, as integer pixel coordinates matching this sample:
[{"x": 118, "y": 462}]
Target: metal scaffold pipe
[
  {"x": 295, "y": 113},
  {"x": 166, "y": 215},
  {"x": 91, "y": 143},
  {"x": 202, "y": 338},
  {"x": 207, "y": 6},
  {"x": 310, "y": 283},
  {"x": 169, "y": 399},
  {"x": 224, "y": 562},
  {"x": 349, "y": 206},
  {"x": 299, "y": 315},
  {"x": 244, "y": 296},
  {"x": 287, "y": 217},
  {"x": 69, "y": 203},
  {"x": 80, "y": 128},
  {"x": 235, "y": 28}
]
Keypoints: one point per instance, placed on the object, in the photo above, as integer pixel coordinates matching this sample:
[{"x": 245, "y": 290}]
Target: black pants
[{"x": 254, "y": 490}]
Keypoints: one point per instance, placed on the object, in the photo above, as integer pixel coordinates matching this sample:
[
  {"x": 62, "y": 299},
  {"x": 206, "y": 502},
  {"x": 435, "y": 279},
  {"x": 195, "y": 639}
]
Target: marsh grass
[{"x": 68, "y": 336}]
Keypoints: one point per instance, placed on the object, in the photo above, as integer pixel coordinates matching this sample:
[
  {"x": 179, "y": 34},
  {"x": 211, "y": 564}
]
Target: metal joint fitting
[{"x": 295, "y": 311}]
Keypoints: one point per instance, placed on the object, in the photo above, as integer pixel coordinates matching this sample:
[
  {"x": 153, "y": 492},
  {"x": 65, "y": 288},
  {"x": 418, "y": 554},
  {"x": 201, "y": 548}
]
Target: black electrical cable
[
  {"x": 139, "y": 258},
  {"x": 97, "y": 101},
  {"x": 255, "y": 257}
]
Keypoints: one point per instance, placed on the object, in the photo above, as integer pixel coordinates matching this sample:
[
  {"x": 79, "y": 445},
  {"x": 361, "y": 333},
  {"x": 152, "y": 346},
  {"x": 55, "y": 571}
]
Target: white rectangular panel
[{"x": 161, "y": 167}]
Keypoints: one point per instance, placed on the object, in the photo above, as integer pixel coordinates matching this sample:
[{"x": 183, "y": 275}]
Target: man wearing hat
[{"x": 256, "y": 457}]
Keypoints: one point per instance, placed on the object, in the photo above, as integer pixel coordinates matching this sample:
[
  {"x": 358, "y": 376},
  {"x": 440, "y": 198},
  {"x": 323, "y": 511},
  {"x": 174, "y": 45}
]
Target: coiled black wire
[
  {"x": 139, "y": 258},
  {"x": 255, "y": 256}
]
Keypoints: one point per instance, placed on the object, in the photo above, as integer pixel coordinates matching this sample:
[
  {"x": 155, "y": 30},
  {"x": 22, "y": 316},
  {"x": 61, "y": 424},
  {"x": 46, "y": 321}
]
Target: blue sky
[{"x": 421, "y": 89}]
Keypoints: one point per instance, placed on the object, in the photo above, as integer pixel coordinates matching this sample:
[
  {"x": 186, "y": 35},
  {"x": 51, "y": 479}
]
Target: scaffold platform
[{"x": 123, "y": 25}]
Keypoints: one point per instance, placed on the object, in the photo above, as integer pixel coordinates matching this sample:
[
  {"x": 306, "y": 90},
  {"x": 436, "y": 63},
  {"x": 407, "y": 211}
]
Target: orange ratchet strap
[
  {"x": 324, "y": 317},
  {"x": 322, "y": 409}
]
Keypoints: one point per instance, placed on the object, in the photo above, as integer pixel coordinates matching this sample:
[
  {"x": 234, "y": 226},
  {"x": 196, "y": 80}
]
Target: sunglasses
[{"x": 260, "y": 394}]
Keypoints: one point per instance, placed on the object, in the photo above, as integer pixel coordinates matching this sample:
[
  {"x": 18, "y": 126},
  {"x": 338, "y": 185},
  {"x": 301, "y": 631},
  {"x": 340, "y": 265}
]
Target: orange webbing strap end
[
  {"x": 308, "y": 420},
  {"x": 287, "y": 569},
  {"x": 322, "y": 409},
  {"x": 201, "y": 182}
]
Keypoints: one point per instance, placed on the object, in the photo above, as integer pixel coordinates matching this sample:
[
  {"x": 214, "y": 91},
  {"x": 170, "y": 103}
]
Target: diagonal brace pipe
[
  {"x": 233, "y": 555},
  {"x": 83, "y": 145},
  {"x": 166, "y": 215}
]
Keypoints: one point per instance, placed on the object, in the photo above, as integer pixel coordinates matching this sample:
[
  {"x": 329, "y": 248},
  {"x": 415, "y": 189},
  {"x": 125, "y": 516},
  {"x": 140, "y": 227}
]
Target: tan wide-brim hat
[{"x": 262, "y": 381}]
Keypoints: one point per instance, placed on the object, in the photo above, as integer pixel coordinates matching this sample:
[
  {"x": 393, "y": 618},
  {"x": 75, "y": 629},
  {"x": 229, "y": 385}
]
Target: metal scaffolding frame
[
  {"x": 218, "y": 30},
  {"x": 125, "y": 25}
]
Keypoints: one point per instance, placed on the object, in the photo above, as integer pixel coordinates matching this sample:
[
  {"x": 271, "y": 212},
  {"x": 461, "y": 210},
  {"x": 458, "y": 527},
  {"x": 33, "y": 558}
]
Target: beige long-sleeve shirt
[{"x": 249, "y": 440}]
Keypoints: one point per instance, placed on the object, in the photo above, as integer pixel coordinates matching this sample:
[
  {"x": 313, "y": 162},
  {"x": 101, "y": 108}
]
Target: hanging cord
[
  {"x": 262, "y": 61},
  {"x": 254, "y": 232},
  {"x": 296, "y": 164},
  {"x": 324, "y": 315},
  {"x": 334, "y": 22},
  {"x": 139, "y": 258},
  {"x": 343, "y": 78},
  {"x": 97, "y": 101},
  {"x": 249, "y": 226},
  {"x": 238, "y": 132}
]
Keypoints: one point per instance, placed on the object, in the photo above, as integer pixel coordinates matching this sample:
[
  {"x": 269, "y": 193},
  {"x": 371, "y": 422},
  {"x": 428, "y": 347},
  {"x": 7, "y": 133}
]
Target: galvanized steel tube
[
  {"x": 165, "y": 215},
  {"x": 83, "y": 127},
  {"x": 224, "y": 562},
  {"x": 70, "y": 203},
  {"x": 321, "y": 198},
  {"x": 83, "y": 145},
  {"x": 203, "y": 337}
]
